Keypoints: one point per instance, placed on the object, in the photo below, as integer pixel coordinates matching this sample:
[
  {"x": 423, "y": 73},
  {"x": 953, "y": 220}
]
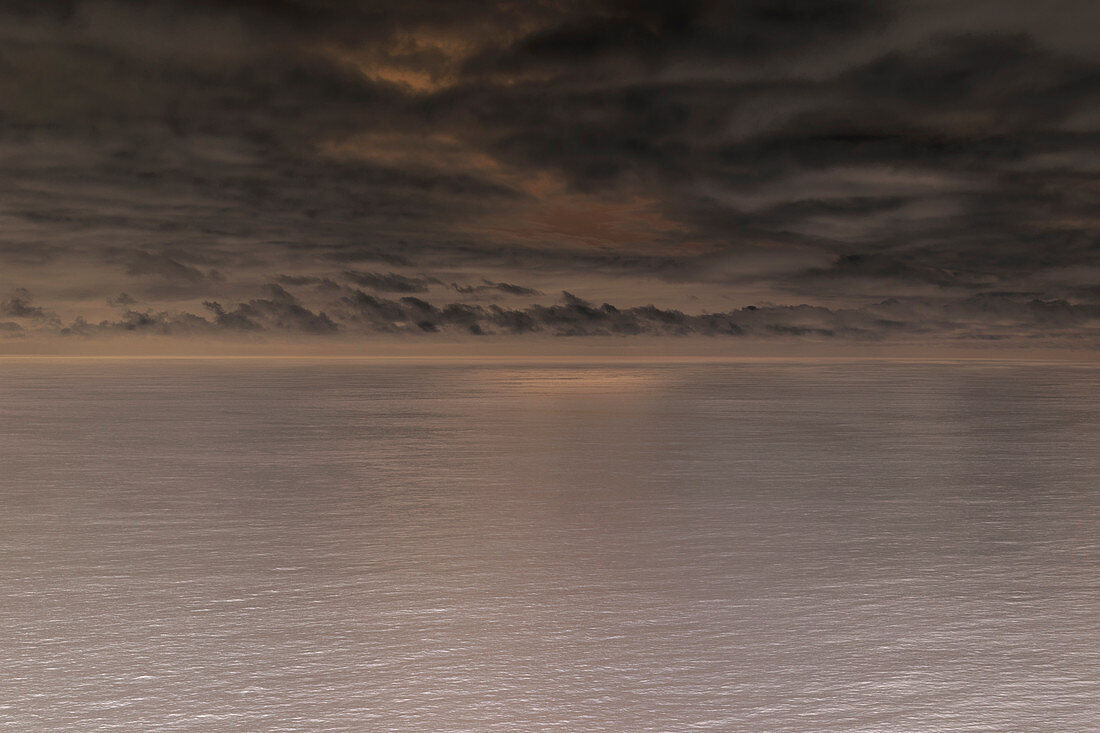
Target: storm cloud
[{"x": 836, "y": 169}]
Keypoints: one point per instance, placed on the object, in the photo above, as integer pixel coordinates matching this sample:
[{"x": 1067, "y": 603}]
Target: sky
[{"x": 353, "y": 176}]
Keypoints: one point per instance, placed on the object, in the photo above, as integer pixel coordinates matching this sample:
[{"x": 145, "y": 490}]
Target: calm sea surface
[{"x": 344, "y": 546}]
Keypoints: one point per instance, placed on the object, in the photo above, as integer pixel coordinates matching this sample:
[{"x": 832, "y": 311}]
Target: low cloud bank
[{"x": 359, "y": 314}]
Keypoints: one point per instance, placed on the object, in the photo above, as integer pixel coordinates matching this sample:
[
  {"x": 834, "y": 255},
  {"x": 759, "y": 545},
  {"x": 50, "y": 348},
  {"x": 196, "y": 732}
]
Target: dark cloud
[
  {"x": 490, "y": 286},
  {"x": 987, "y": 315},
  {"x": 659, "y": 33},
  {"x": 139, "y": 262},
  {"x": 390, "y": 282},
  {"x": 283, "y": 313},
  {"x": 881, "y": 268},
  {"x": 258, "y": 316},
  {"x": 321, "y": 284},
  {"x": 139, "y": 322},
  {"x": 840, "y": 153},
  {"x": 1010, "y": 78},
  {"x": 21, "y": 305}
]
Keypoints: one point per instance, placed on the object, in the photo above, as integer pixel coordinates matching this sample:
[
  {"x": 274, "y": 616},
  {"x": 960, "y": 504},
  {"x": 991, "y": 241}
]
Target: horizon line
[{"x": 569, "y": 358}]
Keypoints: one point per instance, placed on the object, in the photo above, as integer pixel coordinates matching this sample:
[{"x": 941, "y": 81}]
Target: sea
[{"x": 358, "y": 545}]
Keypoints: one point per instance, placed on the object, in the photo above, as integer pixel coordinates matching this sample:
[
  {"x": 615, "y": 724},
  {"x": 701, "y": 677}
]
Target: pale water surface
[{"x": 345, "y": 546}]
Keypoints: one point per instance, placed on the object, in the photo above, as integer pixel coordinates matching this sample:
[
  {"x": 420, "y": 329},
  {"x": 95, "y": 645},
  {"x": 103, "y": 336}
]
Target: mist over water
[{"x": 351, "y": 546}]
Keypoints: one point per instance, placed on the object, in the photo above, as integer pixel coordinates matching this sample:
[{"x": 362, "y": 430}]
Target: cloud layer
[{"x": 835, "y": 169}]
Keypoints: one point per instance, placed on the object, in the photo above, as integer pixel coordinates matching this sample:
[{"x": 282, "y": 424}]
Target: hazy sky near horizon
[{"x": 840, "y": 171}]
